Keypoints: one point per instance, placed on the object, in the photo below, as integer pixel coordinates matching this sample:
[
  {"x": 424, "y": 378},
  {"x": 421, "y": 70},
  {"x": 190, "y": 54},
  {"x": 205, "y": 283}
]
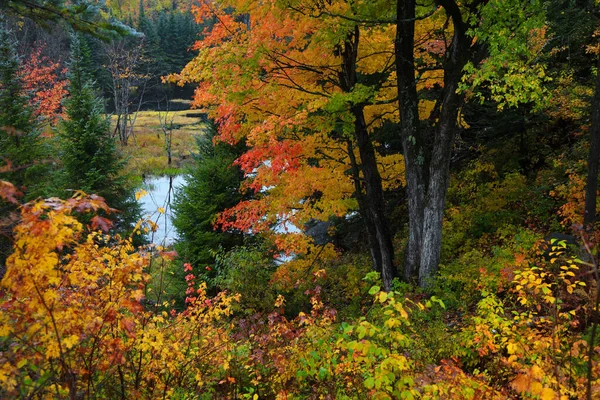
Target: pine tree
[
  {"x": 211, "y": 187},
  {"x": 143, "y": 24},
  {"x": 90, "y": 158},
  {"x": 20, "y": 145},
  {"x": 21, "y": 150}
]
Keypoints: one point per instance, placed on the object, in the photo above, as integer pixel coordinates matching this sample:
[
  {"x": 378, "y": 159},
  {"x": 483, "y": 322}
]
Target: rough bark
[
  {"x": 374, "y": 199},
  {"x": 412, "y": 142},
  {"x": 382, "y": 250},
  {"x": 362, "y": 209},
  {"x": 427, "y": 168},
  {"x": 591, "y": 188},
  {"x": 439, "y": 168}
]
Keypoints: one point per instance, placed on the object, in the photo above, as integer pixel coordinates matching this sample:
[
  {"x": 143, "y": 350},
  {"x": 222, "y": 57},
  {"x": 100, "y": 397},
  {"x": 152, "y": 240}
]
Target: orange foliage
[
  {"x": 44, "y": 80},
  {"x": 270, "y": 75}
]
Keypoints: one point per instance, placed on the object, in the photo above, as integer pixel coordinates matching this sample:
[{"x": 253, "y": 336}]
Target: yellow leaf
[
  {"x": 70, "y": 341},
  {"x": 140, "y": 193},
  {"x": 383, "y": 297},
  {"x": 52, "y": 350},
  {"x": 161, "y": 210},
  {"x": 5, "y": 330},
  {"x": 521, "y": 383},
  {"x": 536, "y": 387},
  {"x": 537, "y": 372},
  {"x": 547, "y": 394}
]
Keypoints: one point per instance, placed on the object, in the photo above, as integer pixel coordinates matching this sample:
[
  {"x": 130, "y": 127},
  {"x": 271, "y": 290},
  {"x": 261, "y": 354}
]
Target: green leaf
[
  {"x": 374, "y": 289},
  {"x": 323, "y": 373}
]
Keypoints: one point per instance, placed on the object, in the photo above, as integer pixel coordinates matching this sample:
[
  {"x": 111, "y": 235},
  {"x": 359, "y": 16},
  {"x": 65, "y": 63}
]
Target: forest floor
[{"x": 146, "y": 151}]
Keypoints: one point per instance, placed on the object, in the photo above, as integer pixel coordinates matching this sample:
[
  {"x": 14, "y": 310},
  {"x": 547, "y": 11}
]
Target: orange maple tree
[
  {"x": 289, "y": 85},
  {"x": 46, "y": 84}
]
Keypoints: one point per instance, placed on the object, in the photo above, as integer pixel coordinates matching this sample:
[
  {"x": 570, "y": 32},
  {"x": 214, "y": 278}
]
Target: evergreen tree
[
  {"x": 153, "y": 58},
  {"x": 21, "y": 150},
  {"x": 82, "y": 16},
  {"x": 143, "y": 24},
  {"x": 89, "y": 153},
  {"x": 212, "y": 186},
  {"x": 20, "y": 145}
]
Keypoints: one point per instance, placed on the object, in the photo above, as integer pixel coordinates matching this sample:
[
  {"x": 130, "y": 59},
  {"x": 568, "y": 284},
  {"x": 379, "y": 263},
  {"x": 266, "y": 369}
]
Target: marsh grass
[{"x": 146, "y": 151}]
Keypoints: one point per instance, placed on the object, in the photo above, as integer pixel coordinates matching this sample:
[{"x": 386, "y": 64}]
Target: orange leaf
[{"x": 521, "y": 383}]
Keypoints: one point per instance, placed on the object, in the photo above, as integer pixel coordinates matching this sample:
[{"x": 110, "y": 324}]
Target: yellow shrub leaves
[{"x": 72, "y": 314}]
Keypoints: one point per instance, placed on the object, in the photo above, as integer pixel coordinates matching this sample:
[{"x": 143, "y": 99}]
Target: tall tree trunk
[
  {"x": 382, "y": 250},
  {"x": 412, "y": 141},
  {"x": 427, "y": 169},
  {"x": 439, "y": 168},
  {"x": 589, "y": 216},
  {"x": 439, "y": 173}
]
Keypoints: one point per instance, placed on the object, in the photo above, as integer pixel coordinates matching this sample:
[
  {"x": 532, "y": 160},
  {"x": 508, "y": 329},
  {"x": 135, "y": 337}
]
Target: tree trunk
[
  {"x": 362, "y": 209},
  {"x": 439, "y": 173},
  {"x": 374, "y": 199},
  {"x": 439, "y": 169},
  {"x": 382, "y": 250},
  {"x": 589, "y": 216},
  {"x": 427, "y": 170},
  {"x": 412, "y": 142}
]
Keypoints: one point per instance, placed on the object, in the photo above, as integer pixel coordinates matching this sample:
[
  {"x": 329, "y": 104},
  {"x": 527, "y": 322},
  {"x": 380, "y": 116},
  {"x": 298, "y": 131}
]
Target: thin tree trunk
[
  {"x": 362, "y": 209},
  {"x": 374, "y": 198},
  {"x": 589, "y": 216},
  {"x": 374, "y": 201}
]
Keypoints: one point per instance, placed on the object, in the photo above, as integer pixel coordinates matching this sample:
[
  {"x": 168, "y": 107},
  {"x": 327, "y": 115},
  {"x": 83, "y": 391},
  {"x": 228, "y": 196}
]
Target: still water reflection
[{"x": 160, "y": 195}]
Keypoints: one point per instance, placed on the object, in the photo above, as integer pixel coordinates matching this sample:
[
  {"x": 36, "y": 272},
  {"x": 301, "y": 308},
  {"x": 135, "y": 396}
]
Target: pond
[
  {"x": 160, "y": 194},
  {"x": 161, "y": 190}
]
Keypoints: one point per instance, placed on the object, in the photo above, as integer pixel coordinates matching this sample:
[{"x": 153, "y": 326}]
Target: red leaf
[
  {"x": 9, "y": 193},
  {"x": 129, "y": 326},
  {"x": 102, "y": 223},
  {"x": 170, "y": 255}
]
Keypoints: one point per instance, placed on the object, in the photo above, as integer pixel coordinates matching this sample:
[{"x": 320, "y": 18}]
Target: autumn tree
[
  {"x": 90, "y": 158},
  {"x": 20, "y": 146},
  {"x": 304, "y": 94},
  {"x": 45, "y": 81},
  {"x": 445, "y": 51},
  {"x": 483, "y": 43},
  {"x": 21, "y": 151}
]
